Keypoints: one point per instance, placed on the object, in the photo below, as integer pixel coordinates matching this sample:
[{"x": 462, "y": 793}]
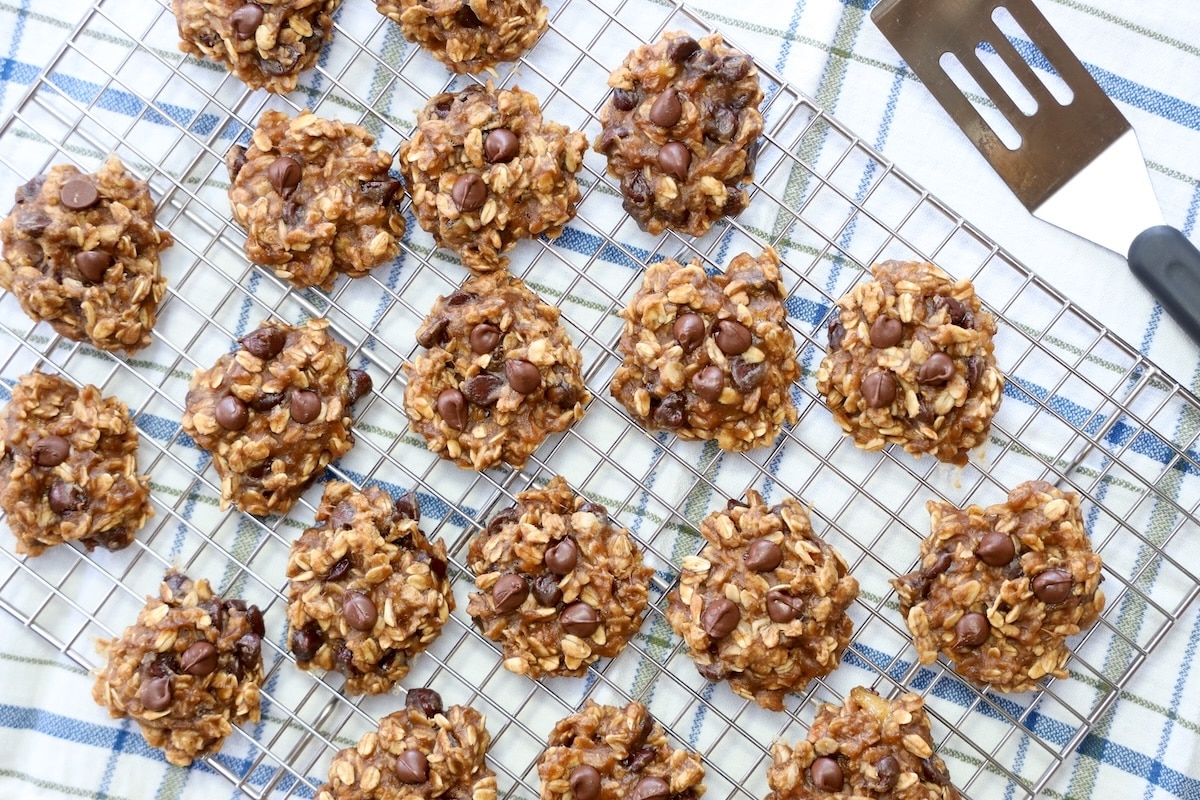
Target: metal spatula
[{"x": 1078, "y": 165}]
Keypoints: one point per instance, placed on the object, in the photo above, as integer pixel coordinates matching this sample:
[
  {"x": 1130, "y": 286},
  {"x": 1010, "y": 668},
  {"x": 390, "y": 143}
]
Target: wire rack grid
[{"x": 1082, "y": 409}]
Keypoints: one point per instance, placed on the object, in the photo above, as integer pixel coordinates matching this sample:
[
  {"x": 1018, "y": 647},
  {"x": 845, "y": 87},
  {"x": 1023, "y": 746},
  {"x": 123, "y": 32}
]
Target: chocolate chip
[
  {"x": 231, "y": 413},
  {"x": 469, "y": 192},
  {"x": 360, "y": 384},
  {"x": 509, "y": 592},
  {"x": 412, "y": 767},
  {"x": 713, "y": 672},
  {"x": 466, "y": 17},
  {"x": 934, "y": 771},
  {"x": 433, "y": 332},
  {"x": 523, "y": 376},
  {"x": 585, "y": 782},
  {"x": 639, "y": 757},
  {"x": 625, "y": 99},
  {"x": 265, "y": 402},
  {"x": 633, "y": 186},
  {"x": 339, "y": 569},
  {"x": 305, "y": 644},
  {"x": 971, "y": 630},
  {"x": 958, "y": 311},
  {"x": 92, "y": 264},
  {"x": 974, "y": 370},
  {"x": 667, "y": 109},
  {"x": 427, "y": 701},
  {"x": 651, "y": 788},
  {"x": 826, "y": 774},
  {"x": 702, "y": 61},
  {"x": 484, "y": 338},
  {"x": 382, "y": 192},
  {"x": 50, "y": 451},
  {"x": 996, "y": 549},
  {"x": 720, "y": 123},
  {"x": 245, "y": 20},
  {"x": 64, "y": 497},
  {"x": 579, "y": 619},
  {"x": 284, "y": 174},
  {"x": 886, "y": 332},
  {"x": 29, "y": 191},
  {"x": 294, "y": 214},
  {"x": 408, "y": 506},
  {"x": 546, "y": 590},
  {"x": 763, "y": 555},
  {"x": 157, "y": 694},
  {"x": 483, "y": 389},
  {"x": 689, "y": 331},
  {"x": 452, "y": 407},
  {"x": 200, "y": 659},
  {"x": 235, "y": 159},
  {"x": 782, "y": 607},
  {"x": 733, "y": 68},
  {"x": 837, "y": 333},
  {"x": 501, "y": 146},
  {"x": 879, "y": 389},
  {"x": 78, "y": 194},
  {"x": 732, "y": 337},
  {"x": 344, "y": 660},
  {"x": 670, "y": 411},
  {"x": 502, "y": 518},
  {"x": 359, "y": 611},
  {"x": 562, "y": 556},
  {"x": 747, "y": 376},
  {"x": 709, "y": 383},
  {"x": 720, "y": 617},
  {"x": 249, "y": 652},
  {"x": 32, "y": 223},
  {"x": 888, "y": 771},
  {"x": 265, "y": 342},
  {"x": 1052, "y": 586},
  {"x": 681, "y": 48},
  {"x": 937, "y": 369},
  {"x": 562, "y": 396},
  {"x": 255, "y": 618},
  {"x": 305, "y": 406},
  {"x": 674, "y": 158}
]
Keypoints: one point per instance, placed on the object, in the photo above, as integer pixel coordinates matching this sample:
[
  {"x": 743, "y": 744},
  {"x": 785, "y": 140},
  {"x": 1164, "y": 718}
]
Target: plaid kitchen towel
[{"x": 1115, "y": 735}]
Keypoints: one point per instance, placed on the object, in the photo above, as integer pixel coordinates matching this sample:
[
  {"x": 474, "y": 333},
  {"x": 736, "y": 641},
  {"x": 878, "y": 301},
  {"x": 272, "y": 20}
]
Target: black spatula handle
[{"x": 1169, "y": 266}]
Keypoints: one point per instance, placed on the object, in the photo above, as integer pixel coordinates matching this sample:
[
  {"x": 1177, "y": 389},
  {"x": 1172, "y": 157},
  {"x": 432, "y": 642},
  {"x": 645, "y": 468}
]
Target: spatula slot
[
  {"x": 1032, "y": 56},
  {"x": 991, "y": 114}
]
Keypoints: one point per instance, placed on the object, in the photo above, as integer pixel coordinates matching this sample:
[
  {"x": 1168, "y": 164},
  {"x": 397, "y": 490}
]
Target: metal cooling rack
[{"x": 1083, "y": 409}]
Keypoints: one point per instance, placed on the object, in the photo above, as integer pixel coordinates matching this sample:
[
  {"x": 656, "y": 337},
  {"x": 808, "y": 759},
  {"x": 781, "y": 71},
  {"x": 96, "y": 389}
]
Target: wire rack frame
[{"x": 1082, "y": 409}]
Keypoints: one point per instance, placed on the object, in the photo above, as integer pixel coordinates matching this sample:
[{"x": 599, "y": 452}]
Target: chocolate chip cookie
[
  {"x": 314, "y": 199},
  {"x": 561, "y": 585},
  {"x": 764, "y": 604},
  {"x": 868, "y": 749},
  {"x": 611, "y": 752},
  {"x": 681, "y": 132},
  {"x": 274, "y": 413},
  {"x": 267, "y": 43},
  {"x": 710, "y": 358},
  {"x": 484, "y": 171},
  {"x": 500, "y": 374},
  {"x": 68, "y": 467},
  {"x": 367, "y": 590},
  {"x": 469, "y": 35},
  {"x": 1001, "y": 588},
  {"x": 81, "y": 252},
  {"x": 187, "y": 671},
  {"x": 422, "y": 752},
  {"x": 911, "y": 362}
]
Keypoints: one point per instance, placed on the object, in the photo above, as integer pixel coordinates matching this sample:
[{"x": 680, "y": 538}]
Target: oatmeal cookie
[
  {"x": 81, "y": 252},
  {"x": 187, "y": 671},
  {"x": 315, "y": 199},
  {"x": 1001, "y": 588},
  {"x": 274, "y": 413},
  {"x": 68, "y": 467},
  {"x": 469, "y": 35},
  {"x": 681, "y": 132},
  {"x": 610, "y": 752},
  {"x": 367, "y": 590},
  {"x": 267, "y": 43},
  {"x": 868, "y": 749},
  {"x": 710, "y": 358},
  {"x": 484, "y": 171},
  {"x": 499, "y": 376},
  {"x": 561, "y": 585},
  {"x": 764, "y": 604},
  {"x": 421, "y": 752},
  {"x": 910, "y": 362}
]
